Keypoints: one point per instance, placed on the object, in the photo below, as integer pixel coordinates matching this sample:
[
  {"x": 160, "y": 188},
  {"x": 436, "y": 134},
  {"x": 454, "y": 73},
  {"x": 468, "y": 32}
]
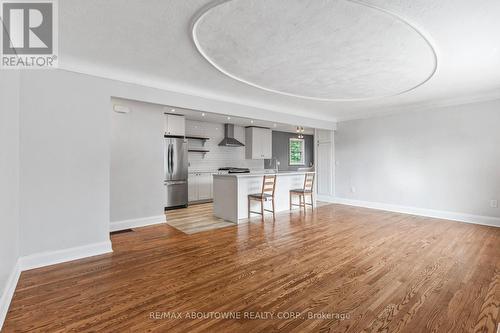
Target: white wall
[
  {"x": 218, "y": 156},
  {"x": 9, "y": 183},
  {"x": 445, "y": 159},
  {"x": 65, "y": 138},
  {"x": 137, "y": 173}
]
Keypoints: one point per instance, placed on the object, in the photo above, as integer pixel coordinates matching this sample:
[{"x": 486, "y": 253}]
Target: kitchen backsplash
[{"x": 218, "y": 156}]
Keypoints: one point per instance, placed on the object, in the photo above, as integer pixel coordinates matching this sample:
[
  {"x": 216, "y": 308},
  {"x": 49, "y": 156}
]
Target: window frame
[{"x": 303, "y": 157}]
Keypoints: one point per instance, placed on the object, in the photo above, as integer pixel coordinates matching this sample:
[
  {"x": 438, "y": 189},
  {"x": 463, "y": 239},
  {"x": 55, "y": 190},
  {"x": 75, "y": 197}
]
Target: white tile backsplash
[{"x": 218, "y": 156}]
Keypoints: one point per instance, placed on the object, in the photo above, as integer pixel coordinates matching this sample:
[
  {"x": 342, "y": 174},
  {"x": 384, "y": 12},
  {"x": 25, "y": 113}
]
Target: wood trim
[
  {"x": 191, "y": 137},
  {"x": 174, "y": 136}
]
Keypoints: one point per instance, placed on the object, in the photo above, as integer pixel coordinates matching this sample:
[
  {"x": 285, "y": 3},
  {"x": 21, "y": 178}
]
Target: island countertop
[{"x": 260, "y": 174}]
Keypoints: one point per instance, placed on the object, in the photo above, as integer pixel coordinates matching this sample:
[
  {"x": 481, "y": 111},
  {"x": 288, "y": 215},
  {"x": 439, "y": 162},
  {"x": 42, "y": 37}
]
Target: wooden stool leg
[
  {"x": 274, "y": 217},
  {"x": 262, "y": 208}
]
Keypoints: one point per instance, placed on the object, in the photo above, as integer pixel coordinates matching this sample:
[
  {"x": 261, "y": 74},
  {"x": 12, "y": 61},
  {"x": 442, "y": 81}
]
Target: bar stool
[
  {"x": 302, "y": 192},
  {"x": 268, "y": 187}
]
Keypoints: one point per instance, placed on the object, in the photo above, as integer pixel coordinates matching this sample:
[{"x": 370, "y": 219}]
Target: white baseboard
[
  {"x": 325, "y": 198},
  {"x": 8, "y": 292},
  {"x": 59, "y": 256},
  {"x": 136, "y": 223},
  {"x": 439, "y": 214}
]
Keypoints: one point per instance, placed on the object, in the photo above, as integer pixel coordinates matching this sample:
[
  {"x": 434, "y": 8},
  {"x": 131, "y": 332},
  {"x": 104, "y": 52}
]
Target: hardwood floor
[
  {"x": 364, "y": 270},
  {"x": 196, "y": 218},
  {"x": 200, "y": 217}
]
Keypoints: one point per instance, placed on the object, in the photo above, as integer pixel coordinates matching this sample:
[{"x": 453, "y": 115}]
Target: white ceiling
[
  {"x": 324, "y": 50},
  {"x": 347, "y": 54}
]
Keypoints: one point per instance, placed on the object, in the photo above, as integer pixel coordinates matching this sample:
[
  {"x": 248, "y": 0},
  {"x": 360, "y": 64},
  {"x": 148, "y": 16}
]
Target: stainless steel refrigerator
[{"x": 176, "y": 172}]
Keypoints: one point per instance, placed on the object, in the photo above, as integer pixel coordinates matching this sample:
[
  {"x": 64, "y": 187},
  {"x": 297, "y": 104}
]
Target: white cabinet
[
  {"x": 267, "y": 143},
  {"x": 259, "y": 143},
  {"x": 192, "y": 187},
  {"x": 200, "y": 186},
  {"x": 175, "y": 125},
  {"x": 205, "y": 186}
]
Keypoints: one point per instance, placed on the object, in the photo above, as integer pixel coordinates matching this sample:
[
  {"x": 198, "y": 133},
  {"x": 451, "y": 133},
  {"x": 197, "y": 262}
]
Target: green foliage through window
[{"x": 296, "y": 152}]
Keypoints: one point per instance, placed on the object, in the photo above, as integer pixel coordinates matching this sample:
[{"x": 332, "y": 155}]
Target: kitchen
[{"x": 197, "y": 151}]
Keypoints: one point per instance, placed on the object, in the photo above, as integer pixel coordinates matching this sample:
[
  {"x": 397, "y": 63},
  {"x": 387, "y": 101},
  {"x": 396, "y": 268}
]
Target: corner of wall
[
  {"x": 10, "y": 85},
  {"x": 8, "y": 292}
]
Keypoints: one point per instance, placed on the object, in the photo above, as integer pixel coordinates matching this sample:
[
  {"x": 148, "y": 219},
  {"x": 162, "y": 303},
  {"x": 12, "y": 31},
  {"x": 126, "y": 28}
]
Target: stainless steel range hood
[{"x": 229, "y": 140}]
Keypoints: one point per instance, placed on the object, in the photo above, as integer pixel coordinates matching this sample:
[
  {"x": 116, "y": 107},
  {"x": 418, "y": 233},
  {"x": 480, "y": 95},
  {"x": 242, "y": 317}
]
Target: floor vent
[{"x": 120, "y": 231}]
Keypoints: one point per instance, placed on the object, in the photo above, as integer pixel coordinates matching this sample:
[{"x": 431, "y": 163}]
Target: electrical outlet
[
  {"x": 494, "y": 203},
  {"x": 353, "y": 189}
]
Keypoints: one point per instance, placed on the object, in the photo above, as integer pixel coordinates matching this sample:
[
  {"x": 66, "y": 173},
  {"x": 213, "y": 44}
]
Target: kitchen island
[{"x": 231, "y": 192}]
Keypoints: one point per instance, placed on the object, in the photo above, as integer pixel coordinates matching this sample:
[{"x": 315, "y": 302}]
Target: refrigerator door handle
[
  {"x": 168, "y": 159},
  {"x": 171, "y": 158},
  {"x": 167, "y": 162}
]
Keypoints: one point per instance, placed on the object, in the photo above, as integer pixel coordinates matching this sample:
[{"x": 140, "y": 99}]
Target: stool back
[
  {"x": 269, "y": 184},
  {"x": 308, "y": 182}
]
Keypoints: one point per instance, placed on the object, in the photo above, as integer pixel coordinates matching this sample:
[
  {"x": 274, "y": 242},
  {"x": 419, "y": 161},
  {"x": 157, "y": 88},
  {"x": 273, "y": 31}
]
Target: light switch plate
[
  {"x": 494, "y": 203},
  {"x": 121, "y": 108}
]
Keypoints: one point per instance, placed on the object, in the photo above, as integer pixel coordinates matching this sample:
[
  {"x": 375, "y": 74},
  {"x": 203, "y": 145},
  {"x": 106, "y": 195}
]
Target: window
[{"x": 296, "y": 152}]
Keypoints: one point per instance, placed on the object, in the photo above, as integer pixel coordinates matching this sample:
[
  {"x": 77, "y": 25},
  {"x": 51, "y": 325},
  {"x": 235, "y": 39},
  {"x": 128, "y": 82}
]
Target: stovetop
[{"x": 234, "y": 170}]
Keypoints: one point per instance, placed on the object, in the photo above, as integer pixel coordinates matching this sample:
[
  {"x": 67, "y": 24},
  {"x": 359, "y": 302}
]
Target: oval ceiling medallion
[{"x": 318, "y": 49}]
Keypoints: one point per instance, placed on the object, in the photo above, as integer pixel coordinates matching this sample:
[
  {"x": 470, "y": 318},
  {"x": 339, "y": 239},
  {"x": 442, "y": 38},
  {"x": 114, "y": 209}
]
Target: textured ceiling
[
  {"x": 325, "y": 50},
  {"x": 150, "y": 42}
]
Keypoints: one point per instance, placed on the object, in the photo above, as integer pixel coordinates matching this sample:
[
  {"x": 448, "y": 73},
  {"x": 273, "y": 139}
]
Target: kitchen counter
[
  {"x": 231, "y": 192},
  {"x": 260, "y": 174}
]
